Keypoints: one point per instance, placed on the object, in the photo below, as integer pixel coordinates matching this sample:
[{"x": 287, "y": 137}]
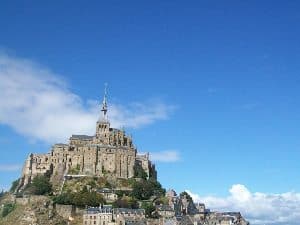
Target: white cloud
[
  {"x": 165, "y": 156},
  {"x": 37, "y": 103},
  {"x": 258, "y": 208},
  {"x": 10, "y": 167}
]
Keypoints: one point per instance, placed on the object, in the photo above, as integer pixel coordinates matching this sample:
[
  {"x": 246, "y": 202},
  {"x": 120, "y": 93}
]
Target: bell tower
[{"x": 103, "y": 124}]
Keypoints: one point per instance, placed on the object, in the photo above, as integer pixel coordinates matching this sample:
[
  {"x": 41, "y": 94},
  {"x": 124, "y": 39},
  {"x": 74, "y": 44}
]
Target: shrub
[
  {"x": 139, "y": 172},
  {"x": 188, "y": 197},
  {"x": 92, "y": 183},
  {"x": 81, "y": 199},
  {"x": 7, "y": 208},
  {"x": 144, "y": 189},
  {"x": 75, "y": 170},
  {"x": 121, "y": 193},
  {"x": 149, "y": 209},
  {"x": 107, "y": 185},
  {"x": 40, "y": 185},
  {"x": 161, "y": 201},
  {"x": 14, "y": 185},
  {"x": 126, "y": 202}
]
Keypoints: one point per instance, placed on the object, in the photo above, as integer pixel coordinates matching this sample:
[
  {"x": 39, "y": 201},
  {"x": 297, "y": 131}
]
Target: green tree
[
  {"x": 152, "y": 173},
  {"x": 156, "y": 187},
  {"x": 40, "y": 185},
  {"x": 144, "y": 189},
  {"x": 64, "y": 199},
  {"x": 149, "y": 209},
  {"x": 161, "y": 201},
  {"x": 14, "y": 185},
  {"x": 126, "y": 202},
  {"x": 120, "y": 203},
  {"x": 81, "y": 199},
  {"x": 188, "y": 197},
  {"x": 139, "y": 172},
  {"x": 122, "y": 193},
  {"x": 141, "y": 190}
]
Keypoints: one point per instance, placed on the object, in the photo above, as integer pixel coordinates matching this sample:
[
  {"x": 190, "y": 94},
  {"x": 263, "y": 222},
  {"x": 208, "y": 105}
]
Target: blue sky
[{"x": 214, "y": 85}]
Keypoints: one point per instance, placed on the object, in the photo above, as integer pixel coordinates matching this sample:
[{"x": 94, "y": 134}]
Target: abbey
[{"x": 110, "y": 152}]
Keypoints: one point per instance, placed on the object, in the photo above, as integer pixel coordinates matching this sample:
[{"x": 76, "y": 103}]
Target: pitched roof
[
  {"x": 102, "y": 209},
  {"x": 130, "y": 211},
  {"x": 82, "y": 137}
]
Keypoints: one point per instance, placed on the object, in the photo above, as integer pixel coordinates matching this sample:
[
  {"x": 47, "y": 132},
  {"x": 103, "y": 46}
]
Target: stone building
[
  {"x": 125, "y": 216},
  {"x": 108, "y": 194},
  {"x": 106, "y": 215},
  {"x": 110, "y": 152},
  {"x": 202, "y": 211},
  {"x": 98, "y": 216},
  {"x": 165, "y": 211},
  {"x": 225, "y": 218}
]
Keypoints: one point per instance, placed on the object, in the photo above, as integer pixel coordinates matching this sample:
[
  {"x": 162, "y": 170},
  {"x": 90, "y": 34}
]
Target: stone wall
[
  {"x": 79, "y": 212},
  {"x": 65, "y": 211}
]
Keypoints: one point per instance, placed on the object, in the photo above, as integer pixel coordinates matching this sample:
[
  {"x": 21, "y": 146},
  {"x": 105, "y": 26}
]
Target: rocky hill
[
  {"x": 72, "y": 183},
  {"x": 33, "y": 210}
]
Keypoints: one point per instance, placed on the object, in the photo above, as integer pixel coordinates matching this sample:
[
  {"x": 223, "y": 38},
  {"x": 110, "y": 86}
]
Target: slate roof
[
  {"x": 61, "y": 144},
  {"x": 92, "y": 210},
  {"x": 135, "y": 222},
  {"x": 82, "y": 137},
  {"x": 129, "y": 211},
  {"x": 103, "y": 209}
]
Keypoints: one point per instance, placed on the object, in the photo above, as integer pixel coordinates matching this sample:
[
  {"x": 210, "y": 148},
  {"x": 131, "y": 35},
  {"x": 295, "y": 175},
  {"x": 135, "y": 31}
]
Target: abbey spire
[{"x": 104, "y": 103}]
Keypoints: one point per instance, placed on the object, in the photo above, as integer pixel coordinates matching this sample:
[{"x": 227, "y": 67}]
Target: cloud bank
[
  {"x": 10, "y": 167},
  {"x": 258, "y": 208},
  {"x": 37, "y": 103},
  {"x": 165, "y": 156}
]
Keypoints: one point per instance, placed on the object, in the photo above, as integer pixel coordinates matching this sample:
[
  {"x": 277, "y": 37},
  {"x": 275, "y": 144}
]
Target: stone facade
[
  {"x": 98, "y": 216},
  {"x": 165, "y": 211},
  {"x": 106, "y": 215},
  {"x": 110, "y": 152},
  {"x": 225, "y": 218},
  {"x": 108, "y": 194}
]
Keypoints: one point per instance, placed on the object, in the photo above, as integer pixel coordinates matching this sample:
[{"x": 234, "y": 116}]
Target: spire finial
[{"x": 104, "y": 102}]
